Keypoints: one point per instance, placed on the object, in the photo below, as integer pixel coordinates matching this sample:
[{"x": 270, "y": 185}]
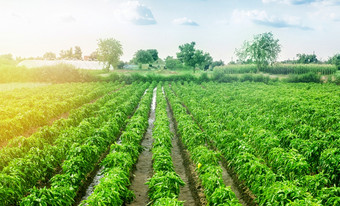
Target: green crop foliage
[{"x": 269, "y": 134}]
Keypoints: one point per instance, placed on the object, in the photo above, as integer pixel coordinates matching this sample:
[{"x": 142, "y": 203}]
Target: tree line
[{"x": 262, "y": 51}]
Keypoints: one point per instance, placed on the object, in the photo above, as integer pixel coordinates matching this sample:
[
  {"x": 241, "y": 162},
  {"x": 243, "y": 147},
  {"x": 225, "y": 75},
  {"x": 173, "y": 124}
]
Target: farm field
[
  {"x": 23, "y": 110},
  {"x": 172, "y": 143}
]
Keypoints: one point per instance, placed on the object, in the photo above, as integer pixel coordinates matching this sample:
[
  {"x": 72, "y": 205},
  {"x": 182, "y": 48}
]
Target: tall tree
[
  {"x": 263, "y": 50},
  {"x": 66, "y": 54},
  {"x": 154, "y": 54},
  {"x": 109, "y": 52},
  {"x": 335, "y": 60},
  {"x": 186, "y": 54},
  {"x": 78, "y": 53},
  {"x": 50, "y": 56},
  {"x": 306, "y": 58},
  {"x": 143, "y": 57}
]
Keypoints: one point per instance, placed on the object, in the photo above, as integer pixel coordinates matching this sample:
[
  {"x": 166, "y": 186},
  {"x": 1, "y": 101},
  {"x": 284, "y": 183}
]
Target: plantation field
[
  {"x": 171, "y": 143},
  {"x": 11, "y": 86},
  {"x": 23, "y": 109}
]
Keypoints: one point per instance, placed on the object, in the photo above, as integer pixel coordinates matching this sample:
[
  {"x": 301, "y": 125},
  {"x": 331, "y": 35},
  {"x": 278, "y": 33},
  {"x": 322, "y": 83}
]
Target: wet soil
[
  {"x": 143, "y": 170},
  {"x": 228, "y": 181},
  {"x": 180, "y": 165}
]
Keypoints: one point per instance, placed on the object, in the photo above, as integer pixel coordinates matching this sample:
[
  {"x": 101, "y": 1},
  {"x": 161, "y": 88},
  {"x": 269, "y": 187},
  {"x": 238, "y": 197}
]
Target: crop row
[
  {"x": 164, "y": 186},
  {"x": 25, "y": 108},
  {"x": 234, "y": 135},
  {"x": 117, "y": 165},
  {"x": 206, "y": 161},
  {"x": 40, "y": 163},
  {"x": 18, "y": 147}
]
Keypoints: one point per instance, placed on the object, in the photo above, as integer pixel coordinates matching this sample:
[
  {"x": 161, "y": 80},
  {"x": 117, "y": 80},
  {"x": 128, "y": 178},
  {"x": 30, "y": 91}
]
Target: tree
[
  {"x": 263, "y": 50},
  {"x": 335, "y": 60},
  {"x": 77, "y": 53},
  {"x": 306, "y": 58},
  {"x": 217, "y": 63},
  {"x": 109, "y": 52},
  {"x": 143, "y": 57},
  {"x": 186, "y": 54},
  {"x": 66, "y": 54},
  {"x": 171, "y": 63},
  {"x": 154, "y": 54},
  {"x": 193, "y": 58},
  {"x": 207, "y": 61},
  {"x": 93, "y": 56},
  {"x": 50, "y": 56}
]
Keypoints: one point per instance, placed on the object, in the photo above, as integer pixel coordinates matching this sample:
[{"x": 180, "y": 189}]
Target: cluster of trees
[
  {"x": 262, "y": 50},
  {"x": 190, "y": 57},
  {"x": 335, "y": 60},
  {"x": 145, "y": 56},
  {"x": 65, "y": 54},
  {"x": 306, "y": 59}
]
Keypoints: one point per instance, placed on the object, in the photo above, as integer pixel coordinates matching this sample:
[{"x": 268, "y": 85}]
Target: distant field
[{"x": 11, "y": 86}]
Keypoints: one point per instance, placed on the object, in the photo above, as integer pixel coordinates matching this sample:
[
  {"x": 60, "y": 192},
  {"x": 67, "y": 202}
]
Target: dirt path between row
[
  {"x": 228, "y": 180},
  {"x": 143, "y": 170},
  {"x": 177, "y": 159}
]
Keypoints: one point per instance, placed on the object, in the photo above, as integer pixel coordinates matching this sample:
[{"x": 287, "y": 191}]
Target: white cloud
[
  {"x": 304, "y": 2},
  {"x": 184, "y": 21},
  {"x": 136, "y": 13},
  {"x": 260, "y": 17}
]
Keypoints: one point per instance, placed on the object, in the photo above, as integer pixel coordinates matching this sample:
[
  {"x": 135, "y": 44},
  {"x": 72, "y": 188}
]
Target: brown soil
[
  {"x": 191, "y": 177},
  {"x": 180, "y": 165},
  {"x": 143, "y": 170}
]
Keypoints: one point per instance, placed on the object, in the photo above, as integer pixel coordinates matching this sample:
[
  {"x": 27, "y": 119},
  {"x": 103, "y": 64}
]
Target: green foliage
[
  {"x": 50, "y": 56},
  {"x": 113, "y": 187},
  {"x": 164, "y": 184},
  {"x": 306, "y": 58},
  {"x": 109, "y": 52},
  {"x": 270, "y": 134},
  {"x": 335, "y": 60},
  {"x": 172, "y": 64},
  {"x": 207, "y": 161},
  {"x": 329, "y": 164},
  {"x": 263, "y": 50},
  {"x": 154, "y": 54},
  {"x": 168, "y": 202},
  {"x": 308, "y": 77},
  {"x": 143, "y": 57},
  {"x": 193, "y": 58},
  {"x": 76, "y": 148}
]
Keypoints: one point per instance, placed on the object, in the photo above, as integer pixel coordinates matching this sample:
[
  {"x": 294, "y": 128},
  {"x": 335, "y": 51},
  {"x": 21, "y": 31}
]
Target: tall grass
[{"x": 323, "y": 69}]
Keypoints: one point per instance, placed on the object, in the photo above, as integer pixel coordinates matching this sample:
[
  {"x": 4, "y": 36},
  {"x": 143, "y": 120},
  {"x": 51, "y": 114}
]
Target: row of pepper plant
[
  {"x": 232, "y": 121},
  {"x": 164, "y": 185},
  {"x": 39, "y": 164},
  {"x": 206, "y": 160},
  {"x": 18, "y": 146},
  {"x": 113, "y": 188},
  {"x": 22, "y": 109}
]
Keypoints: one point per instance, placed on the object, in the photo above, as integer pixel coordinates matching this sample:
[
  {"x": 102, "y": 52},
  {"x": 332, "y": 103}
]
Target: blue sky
[{"x": 31, "y": 28}]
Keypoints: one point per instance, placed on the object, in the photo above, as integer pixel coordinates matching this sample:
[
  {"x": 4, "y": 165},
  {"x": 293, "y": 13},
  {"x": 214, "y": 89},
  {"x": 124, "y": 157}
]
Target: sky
[{"x": 29, "y": 28}]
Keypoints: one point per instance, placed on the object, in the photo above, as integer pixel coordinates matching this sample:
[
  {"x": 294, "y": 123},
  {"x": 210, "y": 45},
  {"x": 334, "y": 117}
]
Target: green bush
[{"x": 306, "y": 78}]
